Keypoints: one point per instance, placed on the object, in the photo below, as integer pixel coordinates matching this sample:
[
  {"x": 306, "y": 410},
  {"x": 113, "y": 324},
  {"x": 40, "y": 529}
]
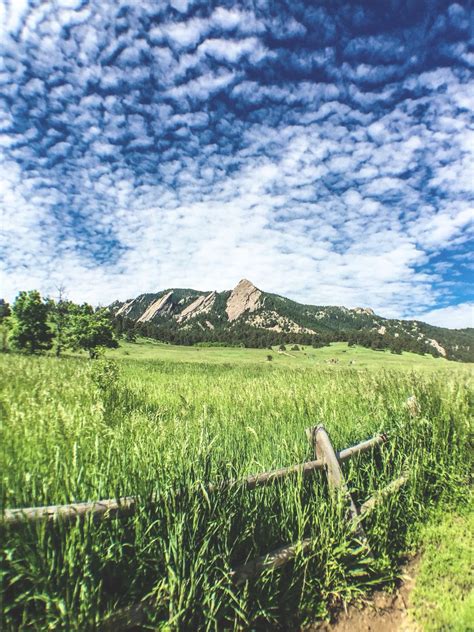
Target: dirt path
[{"x": 385, "y": 612}]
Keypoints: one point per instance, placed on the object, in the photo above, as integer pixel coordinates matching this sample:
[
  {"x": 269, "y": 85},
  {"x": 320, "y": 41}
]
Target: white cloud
[
  {"x": 202, "y": 87},
  {"x": 185, "y": 34},
  {"x": 232, "y": 50},
  {"x": 12, "y": 15},
  {"x": 454, "y": 316}
]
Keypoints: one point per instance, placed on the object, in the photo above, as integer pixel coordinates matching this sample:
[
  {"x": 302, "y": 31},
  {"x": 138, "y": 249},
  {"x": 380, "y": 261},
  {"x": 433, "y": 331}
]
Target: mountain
[{"x": 248, "y": 316}]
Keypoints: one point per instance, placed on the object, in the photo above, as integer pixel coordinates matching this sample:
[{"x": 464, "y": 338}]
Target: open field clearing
[
  {"x": 75, "y": 430},
  {"x": 307, "y": 357}
]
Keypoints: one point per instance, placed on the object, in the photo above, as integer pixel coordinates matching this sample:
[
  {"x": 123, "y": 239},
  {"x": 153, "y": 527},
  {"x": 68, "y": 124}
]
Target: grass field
[
  {"x": 162, "y": 421},
  {"x": 443, "y": 598},
  {"x": 307, "y": 357}
]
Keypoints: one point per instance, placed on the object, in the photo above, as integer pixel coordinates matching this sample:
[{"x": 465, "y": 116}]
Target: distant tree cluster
[
  {"x": 34, "y": 324},
  {"x": 396, "y": 344},
  {"x": 198, "y": 333}
]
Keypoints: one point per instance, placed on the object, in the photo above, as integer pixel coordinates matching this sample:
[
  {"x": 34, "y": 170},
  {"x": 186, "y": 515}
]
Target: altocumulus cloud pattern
[{"x": 324, "y": 150}]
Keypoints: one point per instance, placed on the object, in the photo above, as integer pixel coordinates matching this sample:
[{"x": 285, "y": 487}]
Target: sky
[{"x": 323, "y": 150}]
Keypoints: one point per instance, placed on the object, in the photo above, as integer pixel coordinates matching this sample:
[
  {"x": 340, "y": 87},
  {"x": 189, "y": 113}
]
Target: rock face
[
  {"x": 202, "y": 305},
  {"x": 364, "y": 310},
  {"x": 124, "y": 310},
  {"x": 134, "y": 308},
  {"x": 437, "y": 346},
  {"x": 161, "y": 306},
  {"x": 245, "y": 297},
  {"x": 280, "y": 323}
]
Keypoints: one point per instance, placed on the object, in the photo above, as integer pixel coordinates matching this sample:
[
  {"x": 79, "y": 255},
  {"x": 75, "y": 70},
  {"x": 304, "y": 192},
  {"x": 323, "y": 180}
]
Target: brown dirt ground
[{"x": 384, "y": 612}]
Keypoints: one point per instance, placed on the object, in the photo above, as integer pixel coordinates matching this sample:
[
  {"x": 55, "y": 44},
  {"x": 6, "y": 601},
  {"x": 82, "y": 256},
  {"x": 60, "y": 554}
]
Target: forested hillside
[{"x": 249, "y": 317}]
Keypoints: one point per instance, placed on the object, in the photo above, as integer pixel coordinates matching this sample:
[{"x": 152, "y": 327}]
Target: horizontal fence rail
[
  {"x": 126, "y": 506},
  {"x": 284, "y": 554}
]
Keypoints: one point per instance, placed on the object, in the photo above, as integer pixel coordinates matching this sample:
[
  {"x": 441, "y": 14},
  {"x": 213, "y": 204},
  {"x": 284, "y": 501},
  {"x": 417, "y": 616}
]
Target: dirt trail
[{"x": 385, "y": 612}]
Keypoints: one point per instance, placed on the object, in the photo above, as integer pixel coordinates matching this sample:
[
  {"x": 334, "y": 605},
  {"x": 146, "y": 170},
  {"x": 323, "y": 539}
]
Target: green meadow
[
  {"x": 160, "y": 422},
  {"x": 306, "y": 357}
]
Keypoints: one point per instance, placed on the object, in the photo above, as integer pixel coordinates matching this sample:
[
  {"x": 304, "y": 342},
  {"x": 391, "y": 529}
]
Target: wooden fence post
[{"x": 324, "y": 451}]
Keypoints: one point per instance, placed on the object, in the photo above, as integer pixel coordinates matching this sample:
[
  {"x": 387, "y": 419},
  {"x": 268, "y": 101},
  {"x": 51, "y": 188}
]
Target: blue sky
[{"x": 323, "y": 150}]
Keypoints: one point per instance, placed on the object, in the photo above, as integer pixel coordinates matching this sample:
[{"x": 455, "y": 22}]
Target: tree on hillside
[
  {"x": 5, "y": 323},
  {"x": 5, "y": 310},
  {"x": 60, "y": 314},
  {"x": 130, "y": 335},
  {"x": 90, "y": 329},
  {"x": 396, "y": 346},
  {"x": 30, "y": 331}
]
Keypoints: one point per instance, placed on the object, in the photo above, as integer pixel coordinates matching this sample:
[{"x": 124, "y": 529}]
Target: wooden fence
[{"x": 326, "y": 459}]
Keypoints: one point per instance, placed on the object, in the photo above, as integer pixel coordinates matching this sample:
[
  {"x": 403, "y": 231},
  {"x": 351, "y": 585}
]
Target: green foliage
[
  {"x": 130, "y": 335},
  {"x": 5, "y": 324},
  {"x": 5, "y": 310},
  {"x": 74, "y": 430},
  {"x": 105, "y": 374},
  {"x": 36, "y": 323},
  {"x": 90, "y": 329},
  {"x": 29, "y": 330},
  {"x": 60, "y": 313}
]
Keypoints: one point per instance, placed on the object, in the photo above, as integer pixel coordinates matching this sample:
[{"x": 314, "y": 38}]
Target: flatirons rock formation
[
  {"x": 202, "y": 305},
  {"x": 241, "y": 313},
  {"x": 161, "y": 306},
  {"x": 245, "y": 297}
]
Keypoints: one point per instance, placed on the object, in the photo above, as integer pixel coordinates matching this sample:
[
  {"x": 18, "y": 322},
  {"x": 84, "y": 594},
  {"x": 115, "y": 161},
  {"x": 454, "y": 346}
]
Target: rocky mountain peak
[
  {"x": 245, "y": 297},
  {"x": 364, "y": 310}
]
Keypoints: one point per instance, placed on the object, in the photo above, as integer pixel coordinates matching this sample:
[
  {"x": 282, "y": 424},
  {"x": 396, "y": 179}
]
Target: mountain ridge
[{"x": 252, "y": 317}]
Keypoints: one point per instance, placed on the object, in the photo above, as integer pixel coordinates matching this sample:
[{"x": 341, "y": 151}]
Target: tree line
[
  {"x": 244, "y": 335},
  {"x": 225, "y": 334},
  {"x": 33, "y": 324},
  {"x": 396, "y": 344}
]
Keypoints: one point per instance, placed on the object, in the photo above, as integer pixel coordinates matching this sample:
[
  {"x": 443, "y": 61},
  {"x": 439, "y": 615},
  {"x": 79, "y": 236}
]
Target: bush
[{"x": 105, "y": 374}]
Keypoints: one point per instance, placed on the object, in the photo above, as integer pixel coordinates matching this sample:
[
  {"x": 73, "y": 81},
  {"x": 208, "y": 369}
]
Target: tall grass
[{"x": 74, "y": 430}]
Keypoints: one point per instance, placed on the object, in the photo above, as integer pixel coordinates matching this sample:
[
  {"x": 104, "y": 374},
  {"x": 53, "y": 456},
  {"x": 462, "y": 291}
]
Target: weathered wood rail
[
  {"x": 126, "y": 506},
  {"x": 286, "y": 553},
  {"x": 327, "y": 459}
]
